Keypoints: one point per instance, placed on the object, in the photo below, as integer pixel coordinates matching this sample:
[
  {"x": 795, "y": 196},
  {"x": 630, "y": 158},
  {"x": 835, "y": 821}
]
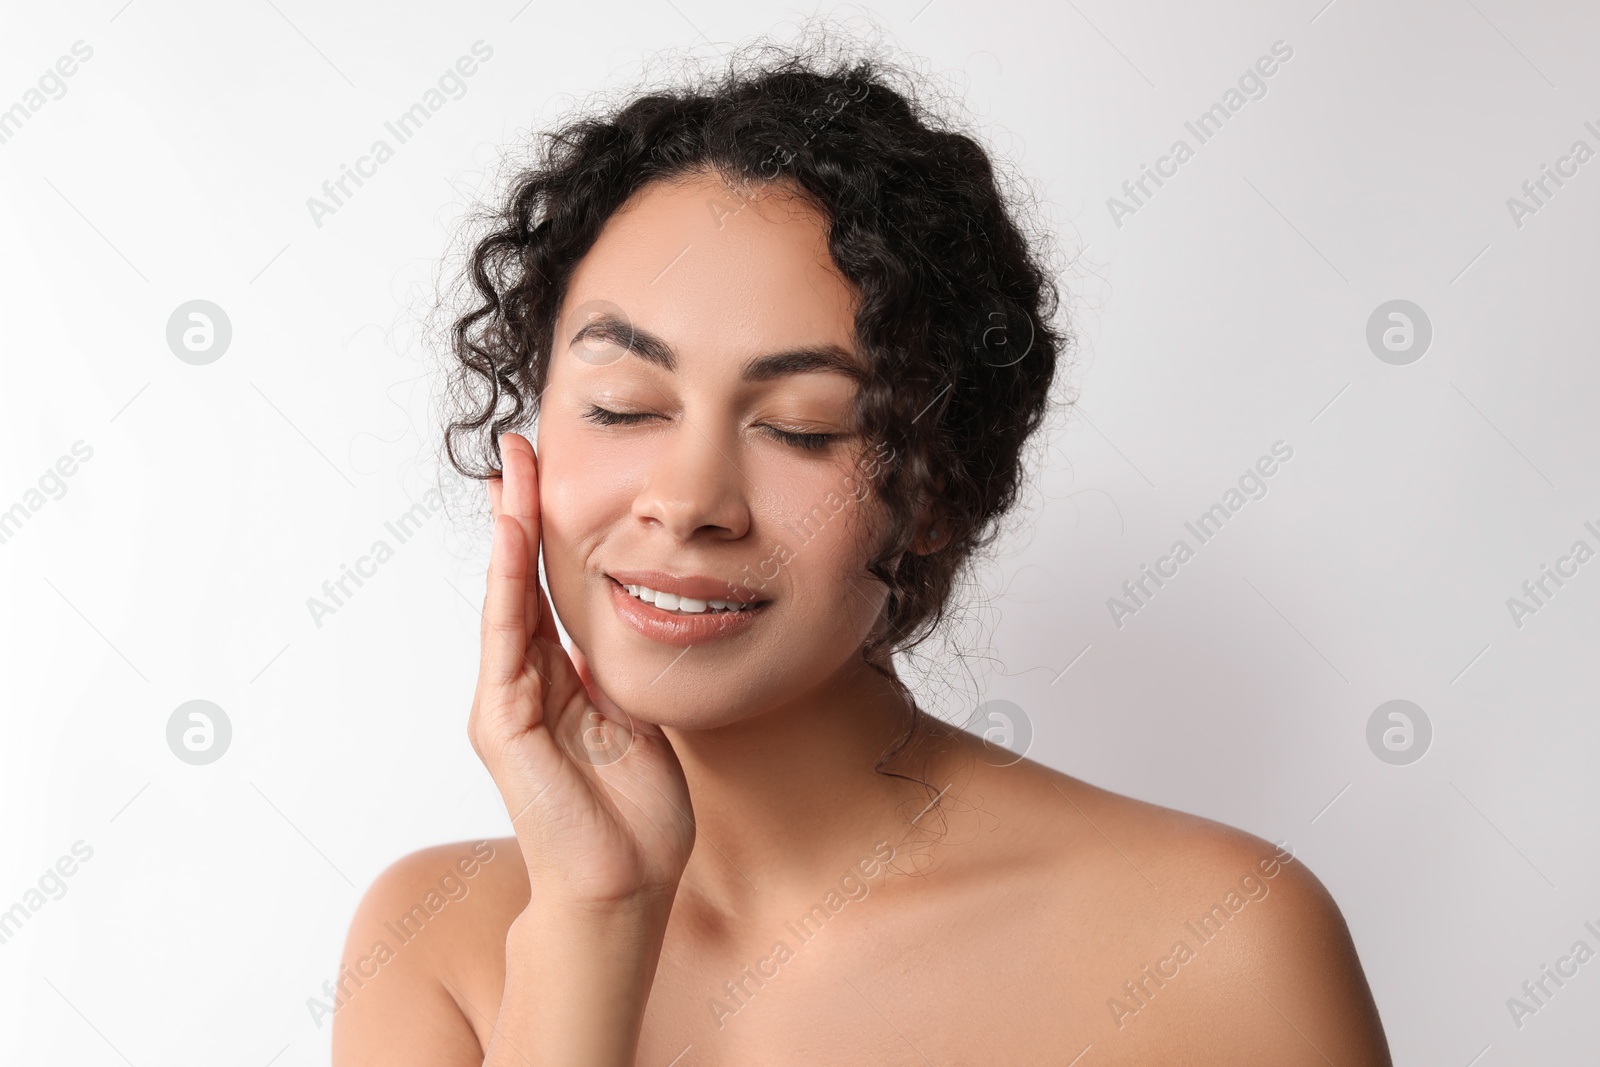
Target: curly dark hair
[{"x": 956, "y": 307}]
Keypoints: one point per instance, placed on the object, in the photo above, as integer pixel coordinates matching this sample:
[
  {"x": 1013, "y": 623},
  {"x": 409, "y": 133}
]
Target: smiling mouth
[
  {"x": 681, "y": 618},
  {"x": 683, "y": 605}
]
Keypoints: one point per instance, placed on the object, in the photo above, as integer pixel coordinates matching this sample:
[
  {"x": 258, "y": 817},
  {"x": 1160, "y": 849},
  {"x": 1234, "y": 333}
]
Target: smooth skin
[{"x": 698, "y": 871}]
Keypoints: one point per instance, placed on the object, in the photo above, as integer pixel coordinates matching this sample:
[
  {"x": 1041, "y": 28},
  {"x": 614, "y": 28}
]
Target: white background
[{"x": 1228, "y": 313}]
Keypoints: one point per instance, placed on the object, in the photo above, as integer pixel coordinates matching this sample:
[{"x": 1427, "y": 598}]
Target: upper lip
[{"x": 694, "y": 586}]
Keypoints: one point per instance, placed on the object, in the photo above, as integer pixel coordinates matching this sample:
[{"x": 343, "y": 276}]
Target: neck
[{"x": 787, "y": 799}]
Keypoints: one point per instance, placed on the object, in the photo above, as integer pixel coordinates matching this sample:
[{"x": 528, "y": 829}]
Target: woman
[{"x": 786, "y": 339}]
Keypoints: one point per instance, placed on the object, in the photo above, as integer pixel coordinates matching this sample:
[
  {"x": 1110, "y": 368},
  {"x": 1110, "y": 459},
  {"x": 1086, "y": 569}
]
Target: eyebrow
[{"x": 652, "y": 349}]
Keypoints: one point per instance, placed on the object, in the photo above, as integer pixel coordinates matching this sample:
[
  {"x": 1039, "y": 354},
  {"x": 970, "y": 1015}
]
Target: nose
[{"x": 694, "y": 489}]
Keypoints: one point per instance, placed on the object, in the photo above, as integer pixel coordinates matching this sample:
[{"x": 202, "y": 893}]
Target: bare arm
[
  {"x": 1305, "y": 996},
  {"x": 1280, "y": 986},
  {"x": 577, "y": 980},
  {"x": 603, "y": 825},
  {"x": 391, "y": 1004}
]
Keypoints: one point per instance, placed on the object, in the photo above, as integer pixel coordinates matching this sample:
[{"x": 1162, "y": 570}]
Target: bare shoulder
[
  {"x": 411, "y": 986},
  {"x": 1209, "y": 937}
]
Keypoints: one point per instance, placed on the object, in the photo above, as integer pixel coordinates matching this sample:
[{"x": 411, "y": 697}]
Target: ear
[{"x": 934, "y": 535}]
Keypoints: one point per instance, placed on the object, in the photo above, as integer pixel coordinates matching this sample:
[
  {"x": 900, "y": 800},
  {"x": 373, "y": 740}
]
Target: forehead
[{"x": 718, "y": 271}]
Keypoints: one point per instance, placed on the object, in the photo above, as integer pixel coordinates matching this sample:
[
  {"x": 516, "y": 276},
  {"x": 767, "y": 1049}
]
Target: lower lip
[{"x": 670, "y": 628}]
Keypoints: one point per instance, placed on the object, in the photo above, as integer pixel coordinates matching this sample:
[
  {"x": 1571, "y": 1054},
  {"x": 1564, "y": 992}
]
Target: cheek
[
  {"x": 817, "y": 545},
  {"x": 580, "y": 486},
  {"x": 580, "y": 498}
]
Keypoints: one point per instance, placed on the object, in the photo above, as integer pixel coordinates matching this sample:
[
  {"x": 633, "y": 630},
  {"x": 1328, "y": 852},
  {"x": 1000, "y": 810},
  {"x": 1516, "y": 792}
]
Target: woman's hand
[{"x": 598, "y": 801}]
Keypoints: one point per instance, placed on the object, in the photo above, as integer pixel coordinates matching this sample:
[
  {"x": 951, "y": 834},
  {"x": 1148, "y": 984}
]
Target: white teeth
[{"x": 682, "y": 604}]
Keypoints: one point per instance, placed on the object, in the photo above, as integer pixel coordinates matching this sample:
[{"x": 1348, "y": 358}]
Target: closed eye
[
  {"x": 605, "y": 417},
  {"x": 801, "y": 440},
  {"x": 795, "y": 438}
]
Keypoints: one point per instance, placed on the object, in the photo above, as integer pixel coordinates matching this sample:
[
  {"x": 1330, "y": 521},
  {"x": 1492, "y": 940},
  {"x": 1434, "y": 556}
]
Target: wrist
[
  {"x": 550, "y": 918},
  {"x": 578, "y": 978},
  {"x": 553, "y": 892}
]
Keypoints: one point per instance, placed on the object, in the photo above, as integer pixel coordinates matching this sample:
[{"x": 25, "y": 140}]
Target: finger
[
  {"x": 504, "y": 635},
  {"x": 546, "y": 624},
  {"x": 520, "y": 499}
]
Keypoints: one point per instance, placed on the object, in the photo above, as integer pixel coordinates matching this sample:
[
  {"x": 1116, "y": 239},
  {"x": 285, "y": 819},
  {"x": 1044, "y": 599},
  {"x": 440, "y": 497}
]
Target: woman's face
[{"x": 695, "y": 439}]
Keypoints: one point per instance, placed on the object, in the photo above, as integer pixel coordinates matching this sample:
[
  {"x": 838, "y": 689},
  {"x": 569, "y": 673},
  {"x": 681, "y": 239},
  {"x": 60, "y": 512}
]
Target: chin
[
  {"x": 668, "y": 689},
  {"x": 717, "y": 684}
]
